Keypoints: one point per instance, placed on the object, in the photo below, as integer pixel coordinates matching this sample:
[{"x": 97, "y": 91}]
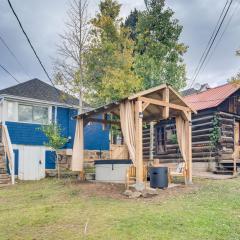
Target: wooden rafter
[
  {"x": 164, "y": 104},
  {"x": 145, "y": 105},
  {"x": 166, "y": 100},
  {"x": 103, "y": 121}
]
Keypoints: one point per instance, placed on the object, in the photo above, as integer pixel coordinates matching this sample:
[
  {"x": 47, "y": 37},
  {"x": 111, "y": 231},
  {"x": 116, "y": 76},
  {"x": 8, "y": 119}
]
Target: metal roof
[{"x": 211, "y": 97}]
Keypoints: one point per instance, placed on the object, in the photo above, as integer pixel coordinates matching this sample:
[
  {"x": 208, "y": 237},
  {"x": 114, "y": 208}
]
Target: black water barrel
[{"x": 158, "y": 177}]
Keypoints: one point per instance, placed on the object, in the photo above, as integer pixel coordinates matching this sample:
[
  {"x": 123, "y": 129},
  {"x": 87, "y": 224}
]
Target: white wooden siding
[{"x": 31, "y": 162}]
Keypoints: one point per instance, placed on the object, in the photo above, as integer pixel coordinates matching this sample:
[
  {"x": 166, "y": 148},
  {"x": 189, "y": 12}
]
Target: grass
[{"x": 51, "y": 209}]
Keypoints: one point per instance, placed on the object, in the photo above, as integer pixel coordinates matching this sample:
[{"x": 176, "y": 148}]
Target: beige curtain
[
  {"x": 78, "y": 148},
  {"x": 181, "y": 136},
  {"x": 128, "y": 127}
]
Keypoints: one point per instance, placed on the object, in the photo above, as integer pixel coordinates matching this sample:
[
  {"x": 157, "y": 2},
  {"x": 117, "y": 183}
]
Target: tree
[
  {"x": 110, "y": 57},
  {"x": 70, "y": 66},
  {"x": 55, "y": 140},
  {"x": 159, "y": 54},
  {"x": 131, "y": 23}
]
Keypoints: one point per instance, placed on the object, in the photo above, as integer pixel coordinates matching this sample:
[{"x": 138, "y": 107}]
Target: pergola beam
[
  {"x": 166, "y": 100},
  {"x": 164, "y": 104},
  {"x": 103, "y": 121},
  {"x": 145, "y": 105}
]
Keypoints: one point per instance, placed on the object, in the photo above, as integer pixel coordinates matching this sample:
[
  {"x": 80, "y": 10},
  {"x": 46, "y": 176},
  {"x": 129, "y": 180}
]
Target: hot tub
[{"x": 113, "y": 171}]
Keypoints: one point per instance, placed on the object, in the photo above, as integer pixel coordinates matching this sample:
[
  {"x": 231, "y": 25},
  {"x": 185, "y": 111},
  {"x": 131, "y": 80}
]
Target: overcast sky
[{"x": 44, "y": 20}]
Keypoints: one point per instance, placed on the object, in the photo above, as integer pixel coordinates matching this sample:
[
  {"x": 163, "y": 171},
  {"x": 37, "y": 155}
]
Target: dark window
[
  {"x": 160, "y": 139},
  {"x": 234, "y": 104}
]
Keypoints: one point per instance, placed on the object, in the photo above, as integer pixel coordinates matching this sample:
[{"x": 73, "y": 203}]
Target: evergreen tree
[
  {"x": 110, "y": 57},
  {"x": 131, "y": 23},
  {"x": 158, "y": 57}
]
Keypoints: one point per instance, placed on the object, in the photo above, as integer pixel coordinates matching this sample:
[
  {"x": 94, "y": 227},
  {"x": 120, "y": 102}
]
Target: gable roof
[
  {"x": 155, "y": 108},
  {"x": 211, "y": 97},
  {"x": 37, "y": 89}
]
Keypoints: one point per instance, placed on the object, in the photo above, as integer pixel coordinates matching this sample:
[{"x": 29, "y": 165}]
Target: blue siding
[
  {"x": 63, "y": 119},
  {"x": 95, "y": 138},
  {"x": 16, "y": 162},
  {"x": 50, "y": 160},
  {"x": 30, "y": 134},
  {"x": 26, "y": 134}
]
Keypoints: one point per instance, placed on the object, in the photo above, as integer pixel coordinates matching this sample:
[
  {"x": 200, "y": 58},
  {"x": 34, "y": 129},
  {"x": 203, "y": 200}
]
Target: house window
[{"x": 32, "y": 114}]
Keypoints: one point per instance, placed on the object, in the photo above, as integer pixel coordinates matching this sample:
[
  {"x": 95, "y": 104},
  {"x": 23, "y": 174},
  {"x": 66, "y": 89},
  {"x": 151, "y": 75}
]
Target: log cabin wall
[{"x": 204, "y": 156}]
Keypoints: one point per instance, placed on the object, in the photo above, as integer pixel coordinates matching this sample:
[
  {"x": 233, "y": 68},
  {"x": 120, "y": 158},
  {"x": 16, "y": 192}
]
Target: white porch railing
[{"x": 8, "y": 151}]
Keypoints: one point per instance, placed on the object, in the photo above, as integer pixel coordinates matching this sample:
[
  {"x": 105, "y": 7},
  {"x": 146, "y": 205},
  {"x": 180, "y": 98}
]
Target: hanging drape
[
  {"x": 128, "y": 127},
  {"x": 181, "y": 136},
  {"x": 78, "y": 148}
]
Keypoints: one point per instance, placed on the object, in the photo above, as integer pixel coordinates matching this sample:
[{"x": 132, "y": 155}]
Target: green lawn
[{"x": 51, "y": 209}]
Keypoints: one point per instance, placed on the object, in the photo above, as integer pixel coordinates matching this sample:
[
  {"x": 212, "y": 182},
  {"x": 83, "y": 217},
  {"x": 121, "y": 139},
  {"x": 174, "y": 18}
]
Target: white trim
[
  {"x": 4, "y": 111},
  {"x": 32, "y": 105},
  {"x": 40, "y": 101},
  {"x": 55, "y": 115}
]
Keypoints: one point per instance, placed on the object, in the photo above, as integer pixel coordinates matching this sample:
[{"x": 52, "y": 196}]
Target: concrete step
[
  {"x": 4, "y": 176},
  {"x": 5, "y": 181}
]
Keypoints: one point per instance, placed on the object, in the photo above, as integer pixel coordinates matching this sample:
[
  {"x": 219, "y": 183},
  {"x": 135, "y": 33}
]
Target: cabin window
[
  {"x": 161, "y": 139},
  {"x": 234, "y": 104},
  {"x": 32, "y": 114}
]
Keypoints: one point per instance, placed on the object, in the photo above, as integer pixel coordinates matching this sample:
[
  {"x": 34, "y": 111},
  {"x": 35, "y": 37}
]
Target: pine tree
[
  {"x": 110, "y": 58},
  {"x": 159, "y": 54}
]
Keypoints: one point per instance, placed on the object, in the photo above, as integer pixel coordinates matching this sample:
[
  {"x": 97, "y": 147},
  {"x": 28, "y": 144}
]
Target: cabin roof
[{"x": 211, "y": 97}]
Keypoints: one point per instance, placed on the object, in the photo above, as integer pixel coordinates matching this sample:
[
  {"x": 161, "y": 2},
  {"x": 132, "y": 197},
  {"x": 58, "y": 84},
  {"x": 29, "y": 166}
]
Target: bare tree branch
[{"x": 70, "y": 66}]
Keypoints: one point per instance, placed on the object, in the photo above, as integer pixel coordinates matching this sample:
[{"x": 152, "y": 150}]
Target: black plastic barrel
[{"x": 159, "y": 177}]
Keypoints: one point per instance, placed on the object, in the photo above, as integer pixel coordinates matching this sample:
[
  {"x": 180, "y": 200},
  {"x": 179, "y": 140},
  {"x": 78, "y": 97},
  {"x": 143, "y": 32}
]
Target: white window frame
[{"x": 16, "y": 116}]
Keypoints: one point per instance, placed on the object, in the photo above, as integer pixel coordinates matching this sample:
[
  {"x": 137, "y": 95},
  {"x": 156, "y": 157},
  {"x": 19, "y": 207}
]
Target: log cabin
[{"x": 215, "y": 132}]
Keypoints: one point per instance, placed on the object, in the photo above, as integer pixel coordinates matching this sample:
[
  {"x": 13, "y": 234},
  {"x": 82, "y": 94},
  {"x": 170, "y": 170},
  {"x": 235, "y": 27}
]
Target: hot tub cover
[{"x": 113, "y": 161}]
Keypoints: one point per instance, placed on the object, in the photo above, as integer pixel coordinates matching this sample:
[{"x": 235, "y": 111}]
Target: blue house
[{"x": 24, "y": 108}]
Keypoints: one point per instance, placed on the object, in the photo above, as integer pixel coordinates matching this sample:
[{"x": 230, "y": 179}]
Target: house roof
[
  {"x": 190, "y": 91},
  {"x": 37, "y": 89},
  {"x": 211, "y": 97}
]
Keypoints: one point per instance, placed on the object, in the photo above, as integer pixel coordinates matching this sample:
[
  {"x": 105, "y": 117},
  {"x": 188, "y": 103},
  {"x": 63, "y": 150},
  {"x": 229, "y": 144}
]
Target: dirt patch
[{"x": 115, "y": 191}]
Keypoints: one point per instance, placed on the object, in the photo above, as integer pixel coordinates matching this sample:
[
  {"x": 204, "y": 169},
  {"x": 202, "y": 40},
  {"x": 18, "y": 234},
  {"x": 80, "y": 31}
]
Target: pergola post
[
  {"x": 166, "y": 100},
  {"x": 138, "y": 139},
  {"x": 189, "y": 147}
]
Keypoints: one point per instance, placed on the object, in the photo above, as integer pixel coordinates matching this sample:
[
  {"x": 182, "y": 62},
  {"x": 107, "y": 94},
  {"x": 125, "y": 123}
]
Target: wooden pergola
[{"x": 155, "y": 104}]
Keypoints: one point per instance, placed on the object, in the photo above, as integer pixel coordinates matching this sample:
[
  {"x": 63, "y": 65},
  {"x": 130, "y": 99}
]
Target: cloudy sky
[{"x": 44, "y": 20}]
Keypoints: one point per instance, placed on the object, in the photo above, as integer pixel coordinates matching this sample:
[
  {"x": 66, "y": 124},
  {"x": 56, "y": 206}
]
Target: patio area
[{"x": 153, "y": 105}]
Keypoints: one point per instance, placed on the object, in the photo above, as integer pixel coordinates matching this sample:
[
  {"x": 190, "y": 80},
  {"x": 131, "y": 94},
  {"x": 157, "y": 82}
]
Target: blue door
[
  {"x": 16, "y": 161},
  {"x": 50, "y": 160}
]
